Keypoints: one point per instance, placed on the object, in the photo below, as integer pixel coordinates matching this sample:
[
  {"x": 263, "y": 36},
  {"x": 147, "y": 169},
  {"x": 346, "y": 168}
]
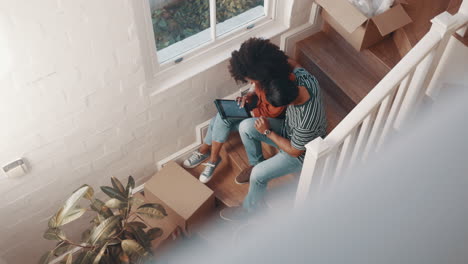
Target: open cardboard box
[
  {"x": 186, "y": 200},
  {"x": 362, "y": 32}
]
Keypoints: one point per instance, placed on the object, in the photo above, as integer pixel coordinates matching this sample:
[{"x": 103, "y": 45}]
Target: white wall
[{"x": 75, "y": 105}]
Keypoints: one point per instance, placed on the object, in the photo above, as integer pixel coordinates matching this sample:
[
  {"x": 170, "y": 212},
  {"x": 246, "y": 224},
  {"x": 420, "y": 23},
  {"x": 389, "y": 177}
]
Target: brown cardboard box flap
[
  {"x": 391, "y": 20},
  {"x": 178, "y": 189},
  {"x": 345, "y": 13}
]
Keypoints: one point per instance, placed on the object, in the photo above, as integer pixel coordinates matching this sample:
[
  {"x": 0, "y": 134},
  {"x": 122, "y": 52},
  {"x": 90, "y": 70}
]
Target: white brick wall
[{"x": 75, "y": 105}]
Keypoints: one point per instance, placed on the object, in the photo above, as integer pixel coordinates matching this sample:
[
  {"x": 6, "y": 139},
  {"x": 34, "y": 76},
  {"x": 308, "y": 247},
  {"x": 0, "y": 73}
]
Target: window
[
  {"x": 182, "y": 26},
  {"x": 216, "y": 28}
]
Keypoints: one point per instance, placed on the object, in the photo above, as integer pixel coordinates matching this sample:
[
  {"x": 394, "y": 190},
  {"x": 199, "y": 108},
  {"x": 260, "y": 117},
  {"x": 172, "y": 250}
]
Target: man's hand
[{"x": 262, "y": 124}]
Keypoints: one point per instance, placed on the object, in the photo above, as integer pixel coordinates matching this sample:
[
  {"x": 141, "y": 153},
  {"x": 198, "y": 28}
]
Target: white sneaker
[
  {"x": 195, "y": 159},
  {"x": 207, "y": 173}
]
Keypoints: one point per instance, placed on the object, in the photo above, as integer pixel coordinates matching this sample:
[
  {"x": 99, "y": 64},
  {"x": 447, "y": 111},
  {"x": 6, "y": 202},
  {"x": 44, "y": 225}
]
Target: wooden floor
[
  {"x": 421, "y": 12},
  {"x": 234, "y": 160},
  {"x": 344, "y": 73},
  {"x": 348, "y": 75}
]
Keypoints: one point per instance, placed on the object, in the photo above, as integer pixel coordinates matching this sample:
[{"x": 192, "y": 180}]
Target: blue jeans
[
  {"x": 264, "y": 170},
  {"x": 220, "y": 128}
]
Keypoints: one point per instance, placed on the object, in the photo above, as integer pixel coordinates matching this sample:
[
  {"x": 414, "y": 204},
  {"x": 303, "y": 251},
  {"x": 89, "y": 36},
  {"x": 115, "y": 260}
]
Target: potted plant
[{"x": 114, "y": 236}]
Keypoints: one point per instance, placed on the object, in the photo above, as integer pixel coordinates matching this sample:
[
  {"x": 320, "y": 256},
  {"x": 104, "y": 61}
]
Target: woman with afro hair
[{"x": 256, "y": 62}]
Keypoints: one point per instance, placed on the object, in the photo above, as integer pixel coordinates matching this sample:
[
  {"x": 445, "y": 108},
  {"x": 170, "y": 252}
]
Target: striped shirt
[{"x": 304, "y": 123}]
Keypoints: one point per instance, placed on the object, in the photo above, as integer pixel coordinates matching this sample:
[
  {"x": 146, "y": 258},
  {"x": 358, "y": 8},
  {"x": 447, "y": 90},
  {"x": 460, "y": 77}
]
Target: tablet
[{"x": 230, "y": 109}]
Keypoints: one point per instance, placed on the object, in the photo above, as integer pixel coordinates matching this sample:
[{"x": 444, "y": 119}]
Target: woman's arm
[{"x": 261, "y": 124}]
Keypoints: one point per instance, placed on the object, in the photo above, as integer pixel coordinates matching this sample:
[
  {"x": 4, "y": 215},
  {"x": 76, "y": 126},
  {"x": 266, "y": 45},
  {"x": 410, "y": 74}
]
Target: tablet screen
[{"x": 231, "y": 109}]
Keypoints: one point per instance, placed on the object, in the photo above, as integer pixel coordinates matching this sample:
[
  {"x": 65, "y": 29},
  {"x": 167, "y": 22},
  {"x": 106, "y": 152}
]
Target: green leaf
[
  {"x": 85, "y": 235},
  {"x": 142, "y": 238},
  {"x": 131, "y": 247},
  {"x": 154, "y": 233},
  {"x": 47, "y": 257},
  {"x": 113, "y": 242},
  {"x": 54, "y": 234},
  {"x": 152, "y": 210},
  {"x": 113, "y": 193},
  {"x": 89, "y": 194},
  {"x": 69, "y": 205},
  {"x": 137, "y": 224},
  {"x": 86, "y": 258},
  {"x": 73, "y": 215},
  {"x": 68, "y": 259},
  {"x": 53, "y": 221},
  {"x": 61, "y": 248},
  {"x": 118, "y": 185},
  {"x": 98, "y": 206},
  {"x": 162, "y": 23},
  {"x": 104, "y": 230},
  {"x": 130, "y": 185},
  {"x": 115, "y": 204},
  {"x": 137, "y": 202},
  {"x": 100, "y": 254}
]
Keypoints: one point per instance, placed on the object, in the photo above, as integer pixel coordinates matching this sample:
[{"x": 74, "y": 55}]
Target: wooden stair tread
[
  {"x": 421, "y": 12},
  {"x": 453, "y": 6},
  {"x": 381, "y": 57},
  {"x": 347, "y": 68},
  {"x": 234, "y": 161},
  {"x": 387, "y": 52},
  {"x": 334, "y": 111},
  {"x": 463, "y": 40}
]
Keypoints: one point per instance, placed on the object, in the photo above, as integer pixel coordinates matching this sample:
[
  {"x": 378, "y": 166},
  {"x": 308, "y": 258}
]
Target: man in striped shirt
[{"x": 305, "y": 120}]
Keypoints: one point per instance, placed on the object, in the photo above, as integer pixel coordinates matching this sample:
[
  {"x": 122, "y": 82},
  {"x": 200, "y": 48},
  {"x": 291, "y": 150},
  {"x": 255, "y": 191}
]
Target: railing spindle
[
  {"x": 394, "y": 109},
  {"x": 376, "y": 128},
  {"x": 361, "y": 140},
  {"x": 414, "y": 90},
  {"x": 344, "y": 154},
  {"x": 309, "y": 175},
  {"x": 384, "y": 109}
]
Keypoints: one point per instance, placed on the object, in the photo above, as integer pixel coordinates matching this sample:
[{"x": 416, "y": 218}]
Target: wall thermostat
[{"x": 15, "y": 169}]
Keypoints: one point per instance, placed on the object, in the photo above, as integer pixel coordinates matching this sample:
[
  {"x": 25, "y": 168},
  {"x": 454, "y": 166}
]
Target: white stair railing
[{"x": 381, "y": 112}]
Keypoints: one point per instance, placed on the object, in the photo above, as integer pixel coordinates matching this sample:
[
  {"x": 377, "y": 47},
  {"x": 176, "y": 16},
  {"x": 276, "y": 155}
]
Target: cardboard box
[
  {"x": 167, "y": 225},
  {"x": 186, "y": 200},
  {"x": 362, "y": 32}
]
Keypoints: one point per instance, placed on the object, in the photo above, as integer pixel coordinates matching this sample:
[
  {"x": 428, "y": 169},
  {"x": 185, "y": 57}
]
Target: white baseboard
[{"x": 290, "y": 38}]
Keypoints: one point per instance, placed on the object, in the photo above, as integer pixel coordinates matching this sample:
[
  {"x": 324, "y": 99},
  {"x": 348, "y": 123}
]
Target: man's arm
[
  {"x": 261, "y": 124},
  {"x": 285, "y": 145}
]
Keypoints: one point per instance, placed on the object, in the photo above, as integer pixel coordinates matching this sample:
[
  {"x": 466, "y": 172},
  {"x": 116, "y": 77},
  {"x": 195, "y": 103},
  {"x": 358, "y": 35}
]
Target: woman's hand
[
  {"x": 262, "y": 124},
  {"x": 242, "y": 100}
]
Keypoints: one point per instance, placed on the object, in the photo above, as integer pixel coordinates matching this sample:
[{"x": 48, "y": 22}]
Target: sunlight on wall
[{"x": 5, "y": 54}]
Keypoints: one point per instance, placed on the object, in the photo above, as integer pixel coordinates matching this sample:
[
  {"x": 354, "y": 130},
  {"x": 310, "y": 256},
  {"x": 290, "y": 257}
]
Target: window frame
[{"x": 161, "y": 76}]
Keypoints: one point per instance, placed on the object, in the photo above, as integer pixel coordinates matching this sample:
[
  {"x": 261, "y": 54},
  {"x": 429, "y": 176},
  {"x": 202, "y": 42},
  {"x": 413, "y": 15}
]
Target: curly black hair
[
  {"x": 281, "y": 92},
  {"x": 259, "y": 59}
]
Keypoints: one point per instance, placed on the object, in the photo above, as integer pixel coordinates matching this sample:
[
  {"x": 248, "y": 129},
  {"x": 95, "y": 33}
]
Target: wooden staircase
[{"x": 347, "y": 75}]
